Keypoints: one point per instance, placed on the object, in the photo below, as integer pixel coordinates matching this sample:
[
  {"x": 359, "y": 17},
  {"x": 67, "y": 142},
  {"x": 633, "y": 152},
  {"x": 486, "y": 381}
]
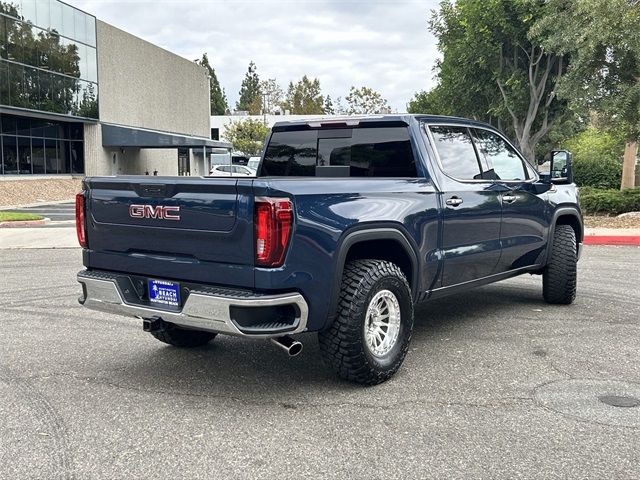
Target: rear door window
[
  {"x": 456, "y": 152},
  {"x": 382, "y": 152},
  {"x": 365, "y": 152}
]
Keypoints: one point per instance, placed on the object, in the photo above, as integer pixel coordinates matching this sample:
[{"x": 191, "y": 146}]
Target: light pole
[{"x": 264, "y": 108}]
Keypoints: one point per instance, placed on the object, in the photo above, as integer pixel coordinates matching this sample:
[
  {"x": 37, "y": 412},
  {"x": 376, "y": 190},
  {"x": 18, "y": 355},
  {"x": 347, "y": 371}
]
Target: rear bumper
[{"x": 205, "y": 308}]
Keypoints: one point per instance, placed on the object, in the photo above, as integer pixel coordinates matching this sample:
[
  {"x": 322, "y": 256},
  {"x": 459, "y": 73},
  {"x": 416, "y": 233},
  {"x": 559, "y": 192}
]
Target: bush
[
  {"x": 615, "y": 202},
  {"x": 603, "y": 173},
  {"x": 597, "y": 157}
]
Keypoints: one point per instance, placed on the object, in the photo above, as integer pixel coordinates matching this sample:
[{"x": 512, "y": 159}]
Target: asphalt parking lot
[{"x": 497, "y": 385}]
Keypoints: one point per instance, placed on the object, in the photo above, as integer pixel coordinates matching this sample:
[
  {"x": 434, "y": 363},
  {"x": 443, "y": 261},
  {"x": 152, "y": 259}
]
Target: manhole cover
[
  {"x": 609, "y": 402},
  {"x": 618, "y": 401}
]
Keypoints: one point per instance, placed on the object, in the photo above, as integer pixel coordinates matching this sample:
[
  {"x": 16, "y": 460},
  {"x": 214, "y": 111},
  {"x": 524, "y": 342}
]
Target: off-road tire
[
  {"x": 559, "y": 278},
  {"x": 183, "y": 338},
  {"x": 343, "y": 344}
]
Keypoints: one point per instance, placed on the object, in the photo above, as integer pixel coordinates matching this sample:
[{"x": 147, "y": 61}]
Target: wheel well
[
  {"x": 384, "y": 249},
  {"x": 573, "y": 222}
]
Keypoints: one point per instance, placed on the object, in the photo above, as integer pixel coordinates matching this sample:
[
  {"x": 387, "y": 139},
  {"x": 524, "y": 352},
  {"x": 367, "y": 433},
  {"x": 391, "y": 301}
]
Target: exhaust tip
[
  {"x": 295, "y": 349},
  {"x": 288, "y": 344}
]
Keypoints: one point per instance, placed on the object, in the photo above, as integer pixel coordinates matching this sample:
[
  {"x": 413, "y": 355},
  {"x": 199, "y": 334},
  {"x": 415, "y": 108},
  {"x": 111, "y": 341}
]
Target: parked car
[
  {"x": 254, "y": 162},
  {"x": 231, "y": 171},
  {"x": 349, "y": 225}
]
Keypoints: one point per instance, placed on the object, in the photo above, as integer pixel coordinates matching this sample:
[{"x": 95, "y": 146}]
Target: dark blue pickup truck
[{"x": 348, "y": 224}]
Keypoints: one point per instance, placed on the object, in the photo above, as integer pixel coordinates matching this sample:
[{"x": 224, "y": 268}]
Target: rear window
[
  {"x": 358, "y": 152},
  {"x": 455, "y": 149}
]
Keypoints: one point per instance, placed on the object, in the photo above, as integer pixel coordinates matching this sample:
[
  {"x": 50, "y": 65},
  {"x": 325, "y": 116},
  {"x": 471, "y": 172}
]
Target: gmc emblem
[{"x": 149, "y": 211}]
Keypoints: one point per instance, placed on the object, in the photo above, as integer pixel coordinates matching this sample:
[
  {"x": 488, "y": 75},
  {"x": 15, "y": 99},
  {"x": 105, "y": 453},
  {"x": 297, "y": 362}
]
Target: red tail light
[
  {"x": 273, "y": 221},
  {"x": 81, "y": 224}
]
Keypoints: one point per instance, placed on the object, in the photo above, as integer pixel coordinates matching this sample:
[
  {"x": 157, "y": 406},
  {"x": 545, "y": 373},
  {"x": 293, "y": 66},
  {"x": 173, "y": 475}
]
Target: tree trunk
[
  {"x": 629, "y": 164},
  {"x": 528, "y": 150}
]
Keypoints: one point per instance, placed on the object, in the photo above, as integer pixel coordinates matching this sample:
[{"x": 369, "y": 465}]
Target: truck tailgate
[{"x": 205, "y": 235}]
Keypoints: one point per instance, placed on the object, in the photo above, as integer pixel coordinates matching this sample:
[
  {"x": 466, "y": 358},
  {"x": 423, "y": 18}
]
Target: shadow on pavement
[{"x": 255, "y": 371}]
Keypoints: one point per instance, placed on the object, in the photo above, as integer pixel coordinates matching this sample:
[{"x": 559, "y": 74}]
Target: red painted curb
[
  {"x": 22, "y": 223},
  {"x": 612, "y": 240}
]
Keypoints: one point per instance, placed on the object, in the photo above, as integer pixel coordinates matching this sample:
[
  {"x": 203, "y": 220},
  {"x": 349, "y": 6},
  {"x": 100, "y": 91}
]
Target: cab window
[
  {"x": 503, "y": 161},
  {"x": 355, "y": 152}
]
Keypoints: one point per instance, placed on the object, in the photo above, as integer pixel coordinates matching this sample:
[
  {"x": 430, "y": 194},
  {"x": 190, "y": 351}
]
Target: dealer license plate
[{"x": 162, "y": 292}]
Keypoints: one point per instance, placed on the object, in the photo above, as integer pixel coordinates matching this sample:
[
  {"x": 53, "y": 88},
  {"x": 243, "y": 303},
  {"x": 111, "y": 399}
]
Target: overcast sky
[{"x": 382, "y": 44}]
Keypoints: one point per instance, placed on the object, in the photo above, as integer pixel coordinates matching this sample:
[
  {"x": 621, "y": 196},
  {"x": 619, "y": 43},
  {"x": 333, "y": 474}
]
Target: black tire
[
  {"x": 181, "y": 337},
  {"x": 560, "y": 276},
  {"x": 343, "y": 345}
]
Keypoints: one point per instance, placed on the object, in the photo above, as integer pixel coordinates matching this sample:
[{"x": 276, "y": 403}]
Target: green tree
[
  {"x": 338, "y": 107},
  {"x": 364, "y": 101},
  {"x": 491, "y": 70},
  {"x": 250, "y": 94},
  {"x": 304, "y": 97},
  {"x": 431, "y": 102},
  {"x": 217, "y": 96},
  {"x": 273, "y": 94},
  {"x": 247, "y": 136},
  {"x": 329, "y": 109},
  {"x": 603, "y": 39}
]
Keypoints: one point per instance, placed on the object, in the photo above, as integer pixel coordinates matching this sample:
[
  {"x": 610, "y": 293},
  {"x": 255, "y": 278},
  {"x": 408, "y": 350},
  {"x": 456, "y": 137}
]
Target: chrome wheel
[{"x": 382, "y": 323}]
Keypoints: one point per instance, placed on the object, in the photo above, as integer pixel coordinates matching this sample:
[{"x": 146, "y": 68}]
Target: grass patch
[{"x": 18, "y": 216}]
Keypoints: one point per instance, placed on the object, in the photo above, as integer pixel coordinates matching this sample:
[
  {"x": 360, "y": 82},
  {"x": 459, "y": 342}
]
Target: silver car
[{"x": 232, "y": 171}]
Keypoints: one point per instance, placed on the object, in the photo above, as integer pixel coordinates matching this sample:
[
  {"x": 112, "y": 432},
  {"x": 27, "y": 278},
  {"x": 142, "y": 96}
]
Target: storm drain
[{"x": 609, "y": 402}]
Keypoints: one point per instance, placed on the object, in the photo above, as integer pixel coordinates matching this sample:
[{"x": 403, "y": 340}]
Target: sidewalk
[
  {"x": 52, "y": 237},
  {"x": 612, "y": 236}
]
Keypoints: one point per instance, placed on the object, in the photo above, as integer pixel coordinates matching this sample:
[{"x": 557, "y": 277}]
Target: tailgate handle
[{"x": 153, "y": 190}]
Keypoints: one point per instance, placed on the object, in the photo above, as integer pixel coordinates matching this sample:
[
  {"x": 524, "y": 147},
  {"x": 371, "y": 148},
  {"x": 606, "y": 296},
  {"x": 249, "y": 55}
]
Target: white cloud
[{"x": 383, "y": 44}]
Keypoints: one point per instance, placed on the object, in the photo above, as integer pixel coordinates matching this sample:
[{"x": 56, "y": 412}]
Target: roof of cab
[{"x": 355, "y": 120}]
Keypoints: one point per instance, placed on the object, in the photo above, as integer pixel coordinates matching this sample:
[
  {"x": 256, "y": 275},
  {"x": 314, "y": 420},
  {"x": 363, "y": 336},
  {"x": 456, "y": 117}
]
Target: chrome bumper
[{"x": 202, "y": 310}]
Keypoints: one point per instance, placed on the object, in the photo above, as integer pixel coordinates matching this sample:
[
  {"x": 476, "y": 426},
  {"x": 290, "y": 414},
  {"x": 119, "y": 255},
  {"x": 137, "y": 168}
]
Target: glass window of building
[
  {"x": 37, "y": 146},
  {"x": 48, "y": 58}
]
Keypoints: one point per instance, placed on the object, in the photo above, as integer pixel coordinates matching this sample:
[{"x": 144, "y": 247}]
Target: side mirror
[{"x": 561, "y": 166}]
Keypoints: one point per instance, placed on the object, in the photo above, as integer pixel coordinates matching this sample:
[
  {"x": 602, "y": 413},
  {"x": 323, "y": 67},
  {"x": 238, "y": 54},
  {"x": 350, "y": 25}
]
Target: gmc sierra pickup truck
[{"x": 347, "y": 225}]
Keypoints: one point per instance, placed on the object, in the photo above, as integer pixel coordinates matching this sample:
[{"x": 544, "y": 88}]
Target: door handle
[
  {"x": 454, "y": 201},
  {"x": 509, "y": 198}
]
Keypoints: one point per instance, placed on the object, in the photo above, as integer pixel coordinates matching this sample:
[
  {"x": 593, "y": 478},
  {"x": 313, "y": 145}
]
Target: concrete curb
[
  {"x": 612, "y": 236},
  {"x": 24, "y": 223}
]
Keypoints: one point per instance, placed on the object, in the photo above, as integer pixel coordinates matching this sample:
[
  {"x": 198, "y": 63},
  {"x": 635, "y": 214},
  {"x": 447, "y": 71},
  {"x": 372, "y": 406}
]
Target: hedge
[
  {"x": 603, "y": 172},
  {"x": 610, "y": 201}
]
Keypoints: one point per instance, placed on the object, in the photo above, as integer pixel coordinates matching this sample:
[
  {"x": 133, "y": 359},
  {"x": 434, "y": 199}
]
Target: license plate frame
[{"x": 164, "y": 293}]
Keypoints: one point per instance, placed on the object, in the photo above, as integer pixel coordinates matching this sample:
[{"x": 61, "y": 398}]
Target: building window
[
  {"x": 48, "y": 58},
  {"x": 35, "y": 146}
]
